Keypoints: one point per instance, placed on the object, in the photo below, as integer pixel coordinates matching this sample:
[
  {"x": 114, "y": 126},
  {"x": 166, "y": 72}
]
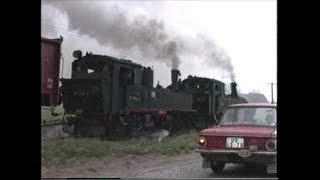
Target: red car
[{"x": 246, "y": 133}]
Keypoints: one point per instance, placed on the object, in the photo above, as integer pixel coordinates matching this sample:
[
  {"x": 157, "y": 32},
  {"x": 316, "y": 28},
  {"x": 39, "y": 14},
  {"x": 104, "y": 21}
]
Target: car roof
[{"x": 254, "y": 105}]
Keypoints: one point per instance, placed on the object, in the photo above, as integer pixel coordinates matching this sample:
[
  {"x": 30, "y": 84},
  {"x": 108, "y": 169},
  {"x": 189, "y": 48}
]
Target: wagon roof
[{"x": 57, "y": 40}]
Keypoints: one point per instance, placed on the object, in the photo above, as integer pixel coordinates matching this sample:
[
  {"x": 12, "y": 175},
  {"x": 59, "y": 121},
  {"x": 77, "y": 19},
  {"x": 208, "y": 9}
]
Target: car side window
[
  {"x": 228, "y": 117},
  {"x": 271, "y": 116},
  {"x": 240, "y": 115},
  {"x": 265, "y": 116},
  {"x": 260, "y": 114}
]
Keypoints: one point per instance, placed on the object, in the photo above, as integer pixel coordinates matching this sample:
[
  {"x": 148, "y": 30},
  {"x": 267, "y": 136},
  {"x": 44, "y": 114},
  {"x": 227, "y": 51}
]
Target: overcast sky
[{"x": 245, "y": 30}]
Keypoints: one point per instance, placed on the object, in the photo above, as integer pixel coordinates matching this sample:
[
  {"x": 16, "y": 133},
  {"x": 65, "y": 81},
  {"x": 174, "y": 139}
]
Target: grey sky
[{"x": 245, "y": 30}]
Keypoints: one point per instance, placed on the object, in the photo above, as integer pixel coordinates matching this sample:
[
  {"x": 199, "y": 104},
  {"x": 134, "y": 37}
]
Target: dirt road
[{"x": 147, "y": 166}]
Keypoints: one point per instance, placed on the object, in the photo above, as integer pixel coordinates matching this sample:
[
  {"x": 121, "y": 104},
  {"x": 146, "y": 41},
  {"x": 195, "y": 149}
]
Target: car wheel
[{"x": 217, "y": 167}]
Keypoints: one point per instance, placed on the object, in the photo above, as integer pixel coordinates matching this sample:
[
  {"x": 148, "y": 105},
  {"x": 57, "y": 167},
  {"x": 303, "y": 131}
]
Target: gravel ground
[{"x": 148, "y": 166}]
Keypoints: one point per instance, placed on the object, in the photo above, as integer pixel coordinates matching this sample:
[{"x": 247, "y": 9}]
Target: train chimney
[
  {"x": 234, "y": 89},
  {"x": 174, "y": 76},
  {"x": 147, "y": 77}
]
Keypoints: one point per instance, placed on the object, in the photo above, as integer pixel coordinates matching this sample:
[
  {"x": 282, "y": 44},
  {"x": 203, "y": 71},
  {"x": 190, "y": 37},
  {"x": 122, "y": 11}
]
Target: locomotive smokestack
[
  {"x": 174, "y": 76},
  {"x": 234, "y": 89}
]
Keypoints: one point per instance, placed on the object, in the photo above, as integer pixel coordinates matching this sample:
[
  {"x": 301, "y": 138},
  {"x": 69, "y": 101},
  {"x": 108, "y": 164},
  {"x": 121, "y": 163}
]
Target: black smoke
[
  {"x": 111, "y": 26},
  {"x": 115, "y": 27},
  {"x": 216, "y": 56}
]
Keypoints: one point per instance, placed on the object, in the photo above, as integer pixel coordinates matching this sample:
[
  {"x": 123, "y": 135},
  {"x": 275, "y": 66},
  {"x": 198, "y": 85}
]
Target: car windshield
[{"x": 264, "y": 116}]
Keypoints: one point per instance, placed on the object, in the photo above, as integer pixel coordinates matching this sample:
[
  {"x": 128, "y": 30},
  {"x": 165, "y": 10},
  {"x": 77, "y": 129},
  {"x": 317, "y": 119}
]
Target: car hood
[{"x": 239, "y": 130}]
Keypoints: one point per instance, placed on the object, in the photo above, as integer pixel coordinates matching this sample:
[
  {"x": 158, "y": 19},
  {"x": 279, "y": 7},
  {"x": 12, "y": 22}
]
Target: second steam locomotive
[{"x": 114, "y": 97}]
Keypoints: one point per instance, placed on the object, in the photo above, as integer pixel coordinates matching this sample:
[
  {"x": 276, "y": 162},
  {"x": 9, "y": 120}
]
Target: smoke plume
[
  {"x": 216, "y": 56},
  {"x": 112, "y": 27},
  {"x": 116, "y": 28}
]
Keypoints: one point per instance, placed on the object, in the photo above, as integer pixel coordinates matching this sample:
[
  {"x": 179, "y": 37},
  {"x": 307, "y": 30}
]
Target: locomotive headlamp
[
  {"x": 201, "y": 141},
  {"x": 77, "y": 54}
]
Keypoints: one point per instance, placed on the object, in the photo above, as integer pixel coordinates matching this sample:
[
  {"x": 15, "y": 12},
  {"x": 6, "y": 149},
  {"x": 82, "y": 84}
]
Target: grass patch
[{"x": 60, "y": 150}]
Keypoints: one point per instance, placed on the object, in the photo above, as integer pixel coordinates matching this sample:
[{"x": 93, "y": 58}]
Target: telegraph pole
[
  {"x": 272, "y": 93},
  {"x": 272, "y": 83}
]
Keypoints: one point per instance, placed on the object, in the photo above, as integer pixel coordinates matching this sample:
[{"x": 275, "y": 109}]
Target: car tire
[{"x": 217, "y": 167}]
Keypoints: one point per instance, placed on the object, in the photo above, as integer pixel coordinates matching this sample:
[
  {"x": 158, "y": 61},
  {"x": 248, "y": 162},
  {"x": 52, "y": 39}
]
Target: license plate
[{"x": 234, "y": 142}]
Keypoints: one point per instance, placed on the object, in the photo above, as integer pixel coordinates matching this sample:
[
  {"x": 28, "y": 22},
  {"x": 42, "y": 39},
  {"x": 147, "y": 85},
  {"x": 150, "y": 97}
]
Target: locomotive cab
[
  {"x": 101, "y": 79},
  {"x": 206, "y": 98}
]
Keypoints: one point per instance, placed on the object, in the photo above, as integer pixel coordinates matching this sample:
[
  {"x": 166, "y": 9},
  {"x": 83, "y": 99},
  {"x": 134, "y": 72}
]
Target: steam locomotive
[{"x": 112, "y": 97}]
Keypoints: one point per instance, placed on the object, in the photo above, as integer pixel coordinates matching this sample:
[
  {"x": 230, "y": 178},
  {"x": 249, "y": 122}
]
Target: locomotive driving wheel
[
  {"x": 168, "y": 125},
  {"x": 78, "y": 129},
  {"x": 136, "y": 128},
  {"x": 118, "y": 132}
]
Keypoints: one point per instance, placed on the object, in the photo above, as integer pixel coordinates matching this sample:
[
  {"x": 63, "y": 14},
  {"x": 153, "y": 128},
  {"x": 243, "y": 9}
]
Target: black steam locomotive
[{"x": 114, "y": 97}]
